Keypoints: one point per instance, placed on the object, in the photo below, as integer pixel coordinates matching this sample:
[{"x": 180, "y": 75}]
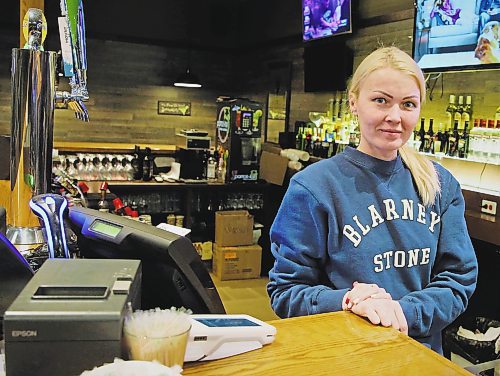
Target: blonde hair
[{"x": 423, "y": 171}]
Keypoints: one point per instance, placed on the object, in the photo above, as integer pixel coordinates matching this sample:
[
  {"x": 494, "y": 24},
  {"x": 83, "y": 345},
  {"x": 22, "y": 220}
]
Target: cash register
[{"x": 172, "y": 272}]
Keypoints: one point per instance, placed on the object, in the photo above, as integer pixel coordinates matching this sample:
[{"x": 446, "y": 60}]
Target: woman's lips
[{"x": 392, "y": 131}]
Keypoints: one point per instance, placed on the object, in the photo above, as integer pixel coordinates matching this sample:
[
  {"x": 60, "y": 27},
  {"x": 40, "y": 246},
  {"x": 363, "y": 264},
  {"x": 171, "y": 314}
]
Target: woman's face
[{"x": 388, "y": 108}]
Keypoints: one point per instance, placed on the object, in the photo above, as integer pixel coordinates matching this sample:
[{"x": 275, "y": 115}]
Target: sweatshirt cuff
[
  {"x": 327, "y": 300},
  {"x": 412, "y": 319}
]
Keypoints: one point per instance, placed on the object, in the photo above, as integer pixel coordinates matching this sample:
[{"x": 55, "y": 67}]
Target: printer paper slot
[{"x": 70, "y": 292}]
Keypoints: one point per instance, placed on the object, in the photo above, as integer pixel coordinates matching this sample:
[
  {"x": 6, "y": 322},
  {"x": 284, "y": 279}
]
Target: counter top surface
[{"x": 338, "y": 343}]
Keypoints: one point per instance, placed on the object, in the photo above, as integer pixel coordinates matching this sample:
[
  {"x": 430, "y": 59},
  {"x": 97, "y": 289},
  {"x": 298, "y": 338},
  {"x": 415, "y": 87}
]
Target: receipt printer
[{"x": 69, "y": 317}]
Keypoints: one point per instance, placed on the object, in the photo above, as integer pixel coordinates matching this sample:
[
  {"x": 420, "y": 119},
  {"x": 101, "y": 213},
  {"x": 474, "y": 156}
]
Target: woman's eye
[
  {"x": 380, "y": 100},
  {"x": 410, "y": 105}
]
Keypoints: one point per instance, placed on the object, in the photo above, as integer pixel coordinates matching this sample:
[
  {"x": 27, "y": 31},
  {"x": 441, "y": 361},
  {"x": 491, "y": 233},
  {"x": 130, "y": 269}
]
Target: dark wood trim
[
  {"x": 481, "y": 226},
  {"x": 387, "y": 18}
]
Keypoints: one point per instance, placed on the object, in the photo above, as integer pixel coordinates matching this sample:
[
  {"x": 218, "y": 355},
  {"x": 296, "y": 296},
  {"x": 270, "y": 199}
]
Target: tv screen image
[
  {"x": 325, "y": 18},
  {"x": 456, "y": 34}
]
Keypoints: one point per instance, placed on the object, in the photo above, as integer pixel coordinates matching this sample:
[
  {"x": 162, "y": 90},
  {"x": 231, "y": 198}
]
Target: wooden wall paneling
[{"x": 125, "y": 102}]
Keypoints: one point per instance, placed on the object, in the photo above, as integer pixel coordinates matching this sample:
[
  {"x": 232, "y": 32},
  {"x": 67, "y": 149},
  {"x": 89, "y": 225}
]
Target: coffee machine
[
  {"x": 193, "y": 146},
  {"x": 239, "y": 124}
]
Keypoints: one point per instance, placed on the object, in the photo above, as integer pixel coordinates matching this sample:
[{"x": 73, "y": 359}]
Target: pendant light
[{"x": 187, "y": 79}]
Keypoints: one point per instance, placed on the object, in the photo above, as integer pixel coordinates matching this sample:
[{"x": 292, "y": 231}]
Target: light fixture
[{"x": 187, "y": 79}]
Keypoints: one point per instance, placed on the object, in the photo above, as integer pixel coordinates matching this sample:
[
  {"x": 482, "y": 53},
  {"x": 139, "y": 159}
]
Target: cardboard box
[
  {"x": 241, "y": 262},
  {"x": 204, "y": 250},
  {"x": 273, "y": 167},
  {"x": 233, "y": 228}
]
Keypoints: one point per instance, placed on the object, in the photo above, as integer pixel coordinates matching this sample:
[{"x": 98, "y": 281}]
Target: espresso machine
[{"x": 239, "y": 129}]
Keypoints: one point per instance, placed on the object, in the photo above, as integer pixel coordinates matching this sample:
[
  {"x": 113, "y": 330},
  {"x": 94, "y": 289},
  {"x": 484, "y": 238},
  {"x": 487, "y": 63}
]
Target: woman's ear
[{"x": 352, "y": 104}]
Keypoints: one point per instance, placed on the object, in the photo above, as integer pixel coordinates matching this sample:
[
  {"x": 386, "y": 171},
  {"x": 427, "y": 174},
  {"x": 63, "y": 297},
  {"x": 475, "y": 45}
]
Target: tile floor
[{"x": 246, "y": 296}]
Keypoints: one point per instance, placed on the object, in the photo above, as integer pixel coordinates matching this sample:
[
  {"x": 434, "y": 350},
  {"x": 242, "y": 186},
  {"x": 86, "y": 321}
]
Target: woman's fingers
[
  {"x": 383, "y": 312},
  {"x": 364, "y": 309},
  {"x": 403, "y": 324},
  {"x": 381, "y": 295},
  {"x": 363, "y": 291},
  {"x": 373, "y": 317}
]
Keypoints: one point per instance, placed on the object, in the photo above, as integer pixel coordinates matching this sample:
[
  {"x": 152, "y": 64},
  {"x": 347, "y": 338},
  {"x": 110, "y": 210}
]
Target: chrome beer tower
[{"x": 33, "y": 89}]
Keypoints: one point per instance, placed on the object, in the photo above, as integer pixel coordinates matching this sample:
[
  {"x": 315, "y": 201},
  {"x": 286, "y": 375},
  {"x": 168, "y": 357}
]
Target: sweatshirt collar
[{"x": 376, "y": 165}]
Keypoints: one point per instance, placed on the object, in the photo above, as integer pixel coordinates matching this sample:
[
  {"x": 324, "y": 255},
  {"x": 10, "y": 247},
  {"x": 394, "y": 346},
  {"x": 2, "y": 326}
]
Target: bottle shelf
[{"x": 468, "y": 159}]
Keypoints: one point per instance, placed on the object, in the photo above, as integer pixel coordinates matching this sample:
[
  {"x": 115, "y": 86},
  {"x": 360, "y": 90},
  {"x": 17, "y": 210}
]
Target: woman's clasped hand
[{"x": 374, "y": 303}]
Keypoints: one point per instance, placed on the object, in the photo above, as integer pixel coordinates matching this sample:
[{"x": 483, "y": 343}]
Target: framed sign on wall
[{"x": 174, "y": 108}]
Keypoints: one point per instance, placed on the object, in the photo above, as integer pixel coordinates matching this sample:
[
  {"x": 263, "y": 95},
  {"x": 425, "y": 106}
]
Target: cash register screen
[
  {"x": 218, "y": 323},
  {"x": 105, "y": 228}
]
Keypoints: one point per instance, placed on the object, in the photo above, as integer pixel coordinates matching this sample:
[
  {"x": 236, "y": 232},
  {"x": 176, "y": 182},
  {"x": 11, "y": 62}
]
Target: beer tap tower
[{"x": 33, "y": 89}]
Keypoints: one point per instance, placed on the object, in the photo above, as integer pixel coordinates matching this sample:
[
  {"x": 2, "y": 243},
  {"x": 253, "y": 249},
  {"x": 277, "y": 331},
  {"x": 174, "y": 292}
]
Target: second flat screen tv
[
  {"x": 456, "y": 35},
  {"x": 325, "y": 18}
]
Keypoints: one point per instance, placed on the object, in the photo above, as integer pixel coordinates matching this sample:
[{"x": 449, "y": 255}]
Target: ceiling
[{"x": 196, "y": 23}]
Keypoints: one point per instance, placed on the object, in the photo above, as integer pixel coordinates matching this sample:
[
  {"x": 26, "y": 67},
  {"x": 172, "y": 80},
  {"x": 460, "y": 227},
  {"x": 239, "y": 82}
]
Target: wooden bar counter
[{"x": 339, "y": 343}]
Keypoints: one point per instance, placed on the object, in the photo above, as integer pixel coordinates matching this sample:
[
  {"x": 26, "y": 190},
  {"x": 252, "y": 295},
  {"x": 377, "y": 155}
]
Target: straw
[
  {"x": 158, "y": 334},
  {"x": 158, "y": 323}
]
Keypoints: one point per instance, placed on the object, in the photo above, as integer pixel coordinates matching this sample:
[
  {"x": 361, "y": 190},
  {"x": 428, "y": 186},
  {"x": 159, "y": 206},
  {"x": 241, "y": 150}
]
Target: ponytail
[{"x": 424, "y": 174}]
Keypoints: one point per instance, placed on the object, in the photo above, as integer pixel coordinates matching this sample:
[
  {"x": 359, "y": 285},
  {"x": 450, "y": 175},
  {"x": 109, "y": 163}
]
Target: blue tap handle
[{"x": 51, "y": 209}]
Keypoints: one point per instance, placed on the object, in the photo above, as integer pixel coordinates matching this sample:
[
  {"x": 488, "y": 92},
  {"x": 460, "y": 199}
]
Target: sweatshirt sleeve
[
  {"x": 454, "y": 273},
  {"x": 299, "y": 245}
]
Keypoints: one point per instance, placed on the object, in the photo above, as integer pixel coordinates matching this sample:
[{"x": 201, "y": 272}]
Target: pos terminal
[{"x": 172, "y": 272}]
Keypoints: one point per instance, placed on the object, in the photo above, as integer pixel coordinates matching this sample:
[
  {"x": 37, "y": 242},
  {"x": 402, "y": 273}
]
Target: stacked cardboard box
[{"x": 234, "y": 255}]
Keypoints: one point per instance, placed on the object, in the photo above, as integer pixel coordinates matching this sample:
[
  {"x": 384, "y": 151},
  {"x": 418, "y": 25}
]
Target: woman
[{"x": 370, "y": 230}]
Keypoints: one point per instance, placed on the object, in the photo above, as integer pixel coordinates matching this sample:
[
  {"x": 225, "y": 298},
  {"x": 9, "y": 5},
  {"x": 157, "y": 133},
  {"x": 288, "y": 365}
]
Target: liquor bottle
[
  {"x": 147, "y": 165},
  {"x": 103, "y": 205},
  {"x": 450, "y": 113},
  {"x": 429, "y": 138},
  {"x": 482, "y": 153},
  {"x": 463, "y": 141},
  {"x": 438, "y": 139},
  {"x": 453, "y": 140},
  {"x": 421, "y": 135},
  {"x": 474, "y": 139},
  {"x": 316, "y": 147},
  {"x": 308, "y": 141},
  {"x": 211, "y": 167},
  {"x": 136, "y": 163},
  {"x": 459, "y": 111},
  {"x": 467, "y": 112},
  {"x": 445, "y": 142},
  {"x": 330, "y": 109},
  {"x": 299, "y": 138},
  {"x": 336, "y": 106}
]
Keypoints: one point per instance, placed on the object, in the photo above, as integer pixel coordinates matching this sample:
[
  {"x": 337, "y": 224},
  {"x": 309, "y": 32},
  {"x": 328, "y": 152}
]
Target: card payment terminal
[{"x": 215, "y": 336}]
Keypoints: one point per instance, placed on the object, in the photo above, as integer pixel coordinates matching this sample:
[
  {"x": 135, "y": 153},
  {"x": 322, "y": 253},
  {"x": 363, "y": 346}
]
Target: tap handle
[
  {"x": 34, "y": 29},
  {"x": 50, "y": 208},
  {"x": 74, "y": 54}
]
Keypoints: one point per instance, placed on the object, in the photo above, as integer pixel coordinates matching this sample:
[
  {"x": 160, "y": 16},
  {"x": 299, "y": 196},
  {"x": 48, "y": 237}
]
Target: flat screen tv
[
  {"x": 452, "y": 35},
  {"x": 325, "y": 18}
]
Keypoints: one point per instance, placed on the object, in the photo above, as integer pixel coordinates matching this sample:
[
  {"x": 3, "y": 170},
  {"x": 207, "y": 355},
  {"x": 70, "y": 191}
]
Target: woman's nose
[{"x": 394, "y": 114}]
